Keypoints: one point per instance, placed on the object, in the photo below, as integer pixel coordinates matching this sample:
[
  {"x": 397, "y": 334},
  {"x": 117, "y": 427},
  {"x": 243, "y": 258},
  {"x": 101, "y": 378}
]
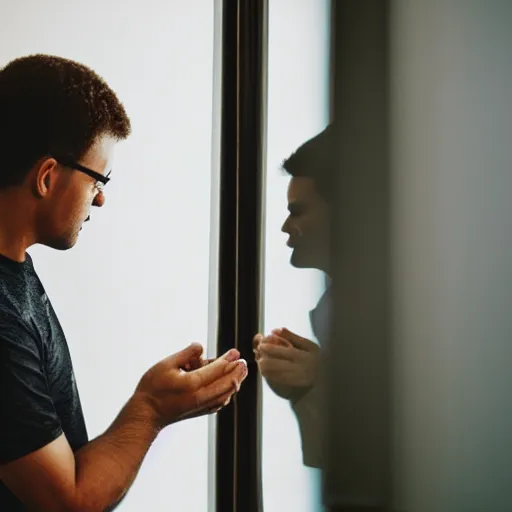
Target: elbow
[{"x": 89, "y": 501}]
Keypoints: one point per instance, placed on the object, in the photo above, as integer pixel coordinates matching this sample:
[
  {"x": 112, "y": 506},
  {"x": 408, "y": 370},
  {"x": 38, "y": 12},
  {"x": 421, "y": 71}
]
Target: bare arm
[
  {"x": 96, "y": 477},
  {"x": 107, "y": 467},
  {"x": 93, "y": 479}
]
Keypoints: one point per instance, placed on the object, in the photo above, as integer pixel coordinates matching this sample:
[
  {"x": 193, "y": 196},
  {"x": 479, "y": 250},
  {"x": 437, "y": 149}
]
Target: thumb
[
  {"x": 258, "y": 338},
  {"x": 185, "y": 356},
  {"x": 297, "y": 341}
]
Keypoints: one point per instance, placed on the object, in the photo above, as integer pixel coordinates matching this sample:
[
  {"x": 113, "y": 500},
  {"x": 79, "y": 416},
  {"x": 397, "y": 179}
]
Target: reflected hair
[
  {"x": 49, "y": 105},
  {"x": 316, "y": 159}
]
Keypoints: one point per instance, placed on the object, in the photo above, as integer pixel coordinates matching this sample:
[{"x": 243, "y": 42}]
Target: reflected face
[
  {"x": 74, "y": 195},
  {"x": 308, "y": 225}
]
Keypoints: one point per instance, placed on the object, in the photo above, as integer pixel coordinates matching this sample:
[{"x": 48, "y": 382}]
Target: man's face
[
  {"x": 73, "y": 195},
  {"x": 307, "y": 225}
]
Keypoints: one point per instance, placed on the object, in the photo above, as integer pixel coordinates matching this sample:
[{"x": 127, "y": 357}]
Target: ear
[{"x": 45, "y": 176}]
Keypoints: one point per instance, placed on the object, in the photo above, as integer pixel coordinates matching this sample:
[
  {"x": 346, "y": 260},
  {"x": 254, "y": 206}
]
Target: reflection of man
[
  {"x": 290, "y": 363},
  {"x": 60, "y": 123}
]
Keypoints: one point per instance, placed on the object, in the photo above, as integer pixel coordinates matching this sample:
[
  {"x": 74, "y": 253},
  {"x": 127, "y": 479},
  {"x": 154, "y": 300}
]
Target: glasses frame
[{"x": 101, "y": 180}]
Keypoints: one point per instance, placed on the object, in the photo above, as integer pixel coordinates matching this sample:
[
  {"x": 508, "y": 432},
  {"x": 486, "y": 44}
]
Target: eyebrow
[{"x": 296, "y": 206}]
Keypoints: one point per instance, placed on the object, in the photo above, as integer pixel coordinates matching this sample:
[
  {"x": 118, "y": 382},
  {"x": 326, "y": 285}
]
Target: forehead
[
  {"x": 100, "y": 155},
  {"x": 302, "y": 190}
]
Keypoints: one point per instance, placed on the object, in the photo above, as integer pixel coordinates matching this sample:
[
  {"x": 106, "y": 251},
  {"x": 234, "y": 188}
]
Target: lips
[{"x": 86, "y": 220}]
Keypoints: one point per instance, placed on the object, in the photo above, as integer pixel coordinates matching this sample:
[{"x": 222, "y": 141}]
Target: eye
[{"x": 295, "y": 212}]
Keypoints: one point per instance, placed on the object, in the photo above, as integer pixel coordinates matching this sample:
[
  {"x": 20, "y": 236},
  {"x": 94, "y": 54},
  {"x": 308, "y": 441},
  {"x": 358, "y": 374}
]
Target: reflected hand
[
  {"x": 175, "y": 393},
  {"x": 289, "y": 363}
]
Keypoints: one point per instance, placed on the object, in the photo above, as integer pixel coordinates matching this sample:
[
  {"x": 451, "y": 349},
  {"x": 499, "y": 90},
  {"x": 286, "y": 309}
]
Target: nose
[
  {"x": 285, "y": 228},
  {"x": 99, "y": 199}
]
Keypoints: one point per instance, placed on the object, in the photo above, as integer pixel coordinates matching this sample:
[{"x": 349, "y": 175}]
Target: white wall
[
  {"x": 452, "y": 183},
  {"x": 135, "y": 288},
  {"x": 298, "y": 109}
]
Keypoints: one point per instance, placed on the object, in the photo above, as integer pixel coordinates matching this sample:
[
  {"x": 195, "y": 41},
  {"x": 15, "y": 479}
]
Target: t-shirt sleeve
[{"x": 28, "y": 420}]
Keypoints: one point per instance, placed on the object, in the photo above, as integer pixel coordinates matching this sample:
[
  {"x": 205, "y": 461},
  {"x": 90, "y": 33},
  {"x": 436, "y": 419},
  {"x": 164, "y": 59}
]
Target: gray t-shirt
[{"x": 38, "y": 394}]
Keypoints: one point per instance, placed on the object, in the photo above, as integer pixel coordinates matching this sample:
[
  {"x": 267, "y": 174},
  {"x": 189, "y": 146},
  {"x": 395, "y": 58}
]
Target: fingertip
[
  {"x": 231, "y": 355},
  {"x": 196, "y": 347},
  {"x": 242, "y": 366}
]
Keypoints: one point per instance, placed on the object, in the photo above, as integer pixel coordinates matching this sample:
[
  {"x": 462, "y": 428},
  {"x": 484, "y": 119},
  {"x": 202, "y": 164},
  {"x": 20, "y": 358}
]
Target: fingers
[
  {"x": 217, "y": 404},
  {"x": 230, "y": 355},
  {"x": 221, "y": 367},
  {"x": 295, "y": 340},
  {"x": 257, "y": 340},
  {"x": 195, "y": 364},
  {"x": 271, "y": 338},
  {"x": 190, "y": 357},
  {"x": 277, "y": 370},
  {"x": 227, "y": 384},
  {"x": 277, "y": 340},
  {"x": 185, "y": 356},
  {"x": 269, "y": 350}
]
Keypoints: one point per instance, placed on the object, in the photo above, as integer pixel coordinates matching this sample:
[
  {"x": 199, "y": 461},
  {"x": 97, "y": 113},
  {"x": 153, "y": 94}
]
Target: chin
[
  {"x": 298, "y": 261},
  {"x": 62, "y": 244},
  {"x": 304, "y": 258}
]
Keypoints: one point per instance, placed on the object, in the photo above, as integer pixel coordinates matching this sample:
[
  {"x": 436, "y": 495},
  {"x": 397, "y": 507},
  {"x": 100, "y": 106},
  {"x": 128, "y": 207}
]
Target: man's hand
[
  {"x": 184, "y": 385},
  {"x": 196, "y": 363},
  {"x": 288, "y": 362},
  {"x": 98, "y": 475}
]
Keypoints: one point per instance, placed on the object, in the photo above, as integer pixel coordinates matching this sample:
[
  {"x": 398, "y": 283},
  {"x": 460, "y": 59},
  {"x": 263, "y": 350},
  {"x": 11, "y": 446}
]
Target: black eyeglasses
[{"x": 101, "y": 180}]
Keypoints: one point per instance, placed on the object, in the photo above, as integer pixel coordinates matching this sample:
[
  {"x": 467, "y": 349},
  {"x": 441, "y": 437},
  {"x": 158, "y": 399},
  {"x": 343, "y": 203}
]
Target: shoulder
[{"x": 17, "y": 337}]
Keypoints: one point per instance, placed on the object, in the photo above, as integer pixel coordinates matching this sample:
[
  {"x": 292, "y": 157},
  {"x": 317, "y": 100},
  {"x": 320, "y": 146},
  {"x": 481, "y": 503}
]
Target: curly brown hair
[{"x": 48, "y": 105}]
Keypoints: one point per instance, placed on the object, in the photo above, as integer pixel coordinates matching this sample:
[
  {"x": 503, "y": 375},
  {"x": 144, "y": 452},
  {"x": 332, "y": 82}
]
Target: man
[
  {"x": 290, "y": 363},
  {"x": 60, "y": 123}
]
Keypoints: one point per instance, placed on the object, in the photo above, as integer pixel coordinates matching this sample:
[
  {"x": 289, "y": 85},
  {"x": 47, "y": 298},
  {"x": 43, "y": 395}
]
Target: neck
[
  {"x": 323, "y": 265},
  {"x": 16, "y": 232}
]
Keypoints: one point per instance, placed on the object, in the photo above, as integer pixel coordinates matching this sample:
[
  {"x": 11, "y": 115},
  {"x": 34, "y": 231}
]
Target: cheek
[
  {"x": 78, "y": 206},
  {"x": 318, "y": 224},
  {"x": 306, "y": 225}
]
